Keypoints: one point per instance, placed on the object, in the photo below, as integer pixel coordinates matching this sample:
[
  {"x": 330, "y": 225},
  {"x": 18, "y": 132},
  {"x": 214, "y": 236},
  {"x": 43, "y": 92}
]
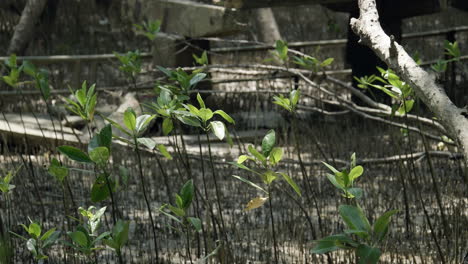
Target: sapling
[
  {"x": 6, "y": 188},
  {"x": 133, "y": 128},
  {"x": 179, "y": 213},
  {"x": 86, "y": 238},
  {"x": 361, "y": 237},
  {"x": 266, "y": 163},
  {"x": 38, "y": 242}
]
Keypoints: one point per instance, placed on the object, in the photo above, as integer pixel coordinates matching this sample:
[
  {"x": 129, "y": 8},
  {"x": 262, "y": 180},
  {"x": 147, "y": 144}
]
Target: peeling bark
[
  {"x": 367, "y": 26},
  {"x": 25, "y": 28}
]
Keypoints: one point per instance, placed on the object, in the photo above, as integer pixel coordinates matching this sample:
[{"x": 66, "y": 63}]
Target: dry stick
[{"x": 143, "y": 186}]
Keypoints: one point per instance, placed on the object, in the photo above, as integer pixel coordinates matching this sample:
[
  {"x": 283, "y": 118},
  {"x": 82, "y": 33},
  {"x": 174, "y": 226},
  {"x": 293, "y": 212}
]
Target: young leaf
[
  {"x": 381, "y": 224},
  {"x": 100, "y": 155},
  {"x": 368, "y": 255},
  {"x": 250, "y": 183},
  {"x": 332, "y": 243},
  {"x": 218, "y": 129},
  {"x": 197, "y": 78},
  {"x": 164, "y": 151},
  {"x": 355, "y": 172},
  {"x": 148, "y": 142},
  {"x": 225, "y": 116},
  {"x": 167, "y": 126},
  {"x": 200, "y": 101},
  {"x": 100, "y": 191},
  {"x": 130, "y": 119},
  {"x": 354, "y": 218},
  {"x": 57, "y": 170},
  {"x": 268, "y": 142},
  {"x": 291, "y": 182},
  {"x": 142, "y": 122},
  {"x": 196, "y": 223},
  {"x": 256, "y": 154},
  {"x": 276, "y": 155},
  {"x": 79, "y": 238},
  {"x": 330, "y": 167},
  {"x": 74, "y": 154},
  {"x": 187, "y": 194}
]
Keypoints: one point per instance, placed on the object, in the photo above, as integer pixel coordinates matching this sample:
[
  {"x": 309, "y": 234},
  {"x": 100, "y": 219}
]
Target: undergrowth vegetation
[{"x": 194, "y": 213}]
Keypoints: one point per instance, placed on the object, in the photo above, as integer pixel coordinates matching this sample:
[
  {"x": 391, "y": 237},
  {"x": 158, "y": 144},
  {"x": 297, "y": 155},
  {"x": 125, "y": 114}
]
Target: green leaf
[
  {"x": 381, "y": 224},
  {"x": 276, "y": 155},
  {"x": 142, "y": 123},
  {"x": 200, "y": 101},
  {"x": 130, "y": 119},
  {"x": 57, "y": 170},
  {"x": 100, "y": 155},
  {"x": 291, "y": 182},
  {"x": 148, "y": 142},
  {"x": 31, "y": 246},
  {"x": 243, "y": 158},
  {"x": 268, "y": 177},
  {"x": 338, "y": 184},
  {"x": 176, "y": 210},
  {"x": 326, "y": 62},
  {"x": 196, "y": 223},
  {"x": 406, "y": 107},
  {"x": 355, "y": 192},
  {"x": 354, "y": 218},
  {"x": 268, "y": 142},
  {"x": 368, "y": 255},
  {"x": 250, "y": 183},
  {"x": 197, "y": 78},
  {"x": 205, "y": 114},
  {"x": 355, "y": 172},
  {"x": 218, "y": 129},
  {"x": 225, "y": 116},
  {"x": 332, "y": 243},
  {"x": 100, "y": 190},
  {"x": 164, "y": 151},
  {"x": 79, "y": 238},
  {"x": 34, "y": 230},
  {"x": 48, "y": 234},
  {"x": 74, "y": 154},
  {"x": 102, "y": 139},
  {"x": 330, "y": 167},
  {"x": 294, "y": 96},
  {"x": 189, "y": 120},
  {"x": 186, "y": 193},
  {"x": 51, "y": 239},
  {"x": 167, "y": 126},
  {"x": 256, "y": 154},
  {"x": 120, "y": 232}
]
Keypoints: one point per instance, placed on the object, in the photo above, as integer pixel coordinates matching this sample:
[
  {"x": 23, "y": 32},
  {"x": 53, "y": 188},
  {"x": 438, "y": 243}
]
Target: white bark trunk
[
  {"x": 25, "y": 28},
  {"x": 367, "y": 26},
  {"x": 268, "y": 31}
]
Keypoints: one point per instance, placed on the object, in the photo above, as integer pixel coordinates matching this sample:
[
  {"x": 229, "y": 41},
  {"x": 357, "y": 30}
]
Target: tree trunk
[
  {"x": 367, "y": 26},
  {"x": 25, "y": 28},
  {"x": 268, "y": 31}
]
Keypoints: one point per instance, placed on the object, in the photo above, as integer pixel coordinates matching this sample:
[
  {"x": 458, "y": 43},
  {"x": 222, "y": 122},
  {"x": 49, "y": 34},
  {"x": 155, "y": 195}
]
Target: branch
[{"x": 367, "y": 26}]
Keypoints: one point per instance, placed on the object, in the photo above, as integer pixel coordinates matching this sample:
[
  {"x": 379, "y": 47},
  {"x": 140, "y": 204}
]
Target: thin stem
[
  {"x": 143, "y": 184},
  {"x": 275, "y": 246}
]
